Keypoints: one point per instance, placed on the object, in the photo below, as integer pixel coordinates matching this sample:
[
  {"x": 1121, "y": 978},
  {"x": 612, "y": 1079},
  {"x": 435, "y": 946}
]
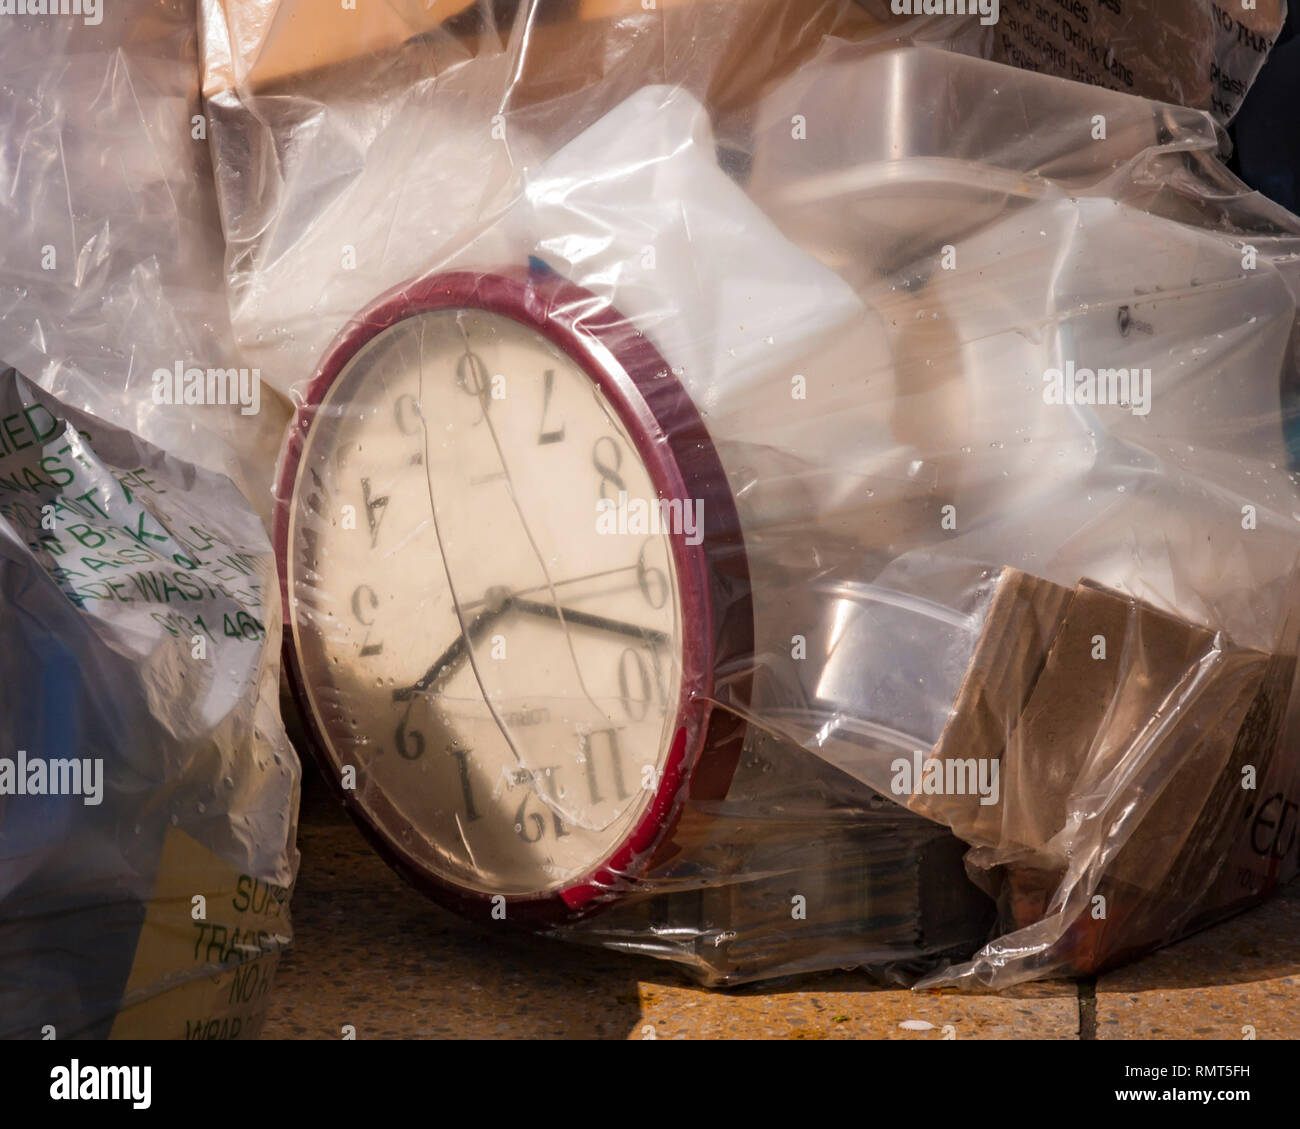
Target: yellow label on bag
[{"x": 207, "y": 952}]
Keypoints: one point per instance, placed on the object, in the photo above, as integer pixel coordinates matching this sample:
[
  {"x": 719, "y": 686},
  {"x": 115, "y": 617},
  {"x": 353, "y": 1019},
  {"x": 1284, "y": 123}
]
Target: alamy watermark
[
  {"x": 1122, "y": 387},
  {"x": 91, "y": 11},
  {"x": 181, "y": 385},
  {"x": 987, "y": 10},
  {"x": 102, "y": 1083},
  {"x": 643, "y": 517},
  {"x": 34, "y": 776},
  {"x": 946, "y": 776}
]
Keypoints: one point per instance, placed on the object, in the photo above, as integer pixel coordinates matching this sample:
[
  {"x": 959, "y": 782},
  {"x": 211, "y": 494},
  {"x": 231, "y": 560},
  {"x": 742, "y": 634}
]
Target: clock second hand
[{"x": 557, "y": 584}]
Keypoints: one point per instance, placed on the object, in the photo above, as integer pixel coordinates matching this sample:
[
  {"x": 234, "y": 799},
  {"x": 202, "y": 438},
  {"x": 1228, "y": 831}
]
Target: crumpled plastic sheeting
[
  {"x": 117, "y": 563},
  {"x": 110, "y": 239},
  {"x": 922, "y": 239},
  {"x": 343, "y": 182}
]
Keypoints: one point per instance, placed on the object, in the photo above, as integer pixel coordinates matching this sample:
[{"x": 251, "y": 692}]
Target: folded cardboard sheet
[{"x": 1135, "y": 753}]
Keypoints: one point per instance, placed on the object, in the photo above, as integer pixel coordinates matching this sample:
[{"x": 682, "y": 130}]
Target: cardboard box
[
  {"x": 1135, "y": 755},
  {"x": 1023, "y": 618},
  {"x": 1189, "y": 52},
  {"x": 1130, "y": 741}
]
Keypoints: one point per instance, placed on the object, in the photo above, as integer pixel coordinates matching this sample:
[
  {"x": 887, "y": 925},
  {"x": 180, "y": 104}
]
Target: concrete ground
[{"x": 373, "y": 953}]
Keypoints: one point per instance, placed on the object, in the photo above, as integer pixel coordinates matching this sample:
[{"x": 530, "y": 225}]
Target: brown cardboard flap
[
  {"x": 1113, "y": 663},
  {"x": 1224, "y": 818},
  {"x": 263, "y": 45},
  {"x": 1134, "y": 716},
  {"x": 1190, "y": 52},
  {"x": 1199, "y": 886},
  {"x": 1023, "y": 618}
]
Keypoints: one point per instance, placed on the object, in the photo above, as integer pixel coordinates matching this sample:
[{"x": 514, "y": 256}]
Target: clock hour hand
[
  {"x": 586, "y": 619},
  {"x": 498, "y": 603}
]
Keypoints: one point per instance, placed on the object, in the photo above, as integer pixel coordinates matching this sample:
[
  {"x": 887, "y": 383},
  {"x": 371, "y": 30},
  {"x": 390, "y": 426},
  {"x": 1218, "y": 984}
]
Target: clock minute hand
[
  {"x": 454, "y": 655},
  {"x": 586, "y": 619}
]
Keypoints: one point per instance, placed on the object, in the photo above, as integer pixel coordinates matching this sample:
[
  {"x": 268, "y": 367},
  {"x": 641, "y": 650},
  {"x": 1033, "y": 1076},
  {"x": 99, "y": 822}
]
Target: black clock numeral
[
  {"x": 406, "y": 410},
  {"x": 364, "y": 597},
  {"x": 653, "y": 582},
  {"x": 608, "y": 474},
  {"x": 543, "y": 436},
  {"x": 472, "y": 377},
  {"x": 634, "y": 675},
  {"x": 639, "y": 681},
  {"x": 410, "y": 742},
  {"x": 466, "y": 791},
  {"x": 550, "y": 775},
  {"x": 523, "y": 821},
  {"x": 615, "y": 759},
  {"x": 376, "y": 508},
  {"x": 531, "y": 826}
]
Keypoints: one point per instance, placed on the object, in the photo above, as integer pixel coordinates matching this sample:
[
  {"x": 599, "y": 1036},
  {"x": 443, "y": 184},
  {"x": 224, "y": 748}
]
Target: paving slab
[
  {"x": 1236, "y": 980},
  {"x": 372, "y": 953}
]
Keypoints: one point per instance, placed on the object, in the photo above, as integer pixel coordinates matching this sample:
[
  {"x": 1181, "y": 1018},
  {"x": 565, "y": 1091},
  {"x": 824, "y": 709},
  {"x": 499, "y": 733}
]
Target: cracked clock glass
[{"x": 492, "y": 650}]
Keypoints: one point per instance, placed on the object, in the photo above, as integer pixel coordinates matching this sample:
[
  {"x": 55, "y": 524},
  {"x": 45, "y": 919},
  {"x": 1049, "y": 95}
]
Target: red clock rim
[{"x": 665, "y": 427}]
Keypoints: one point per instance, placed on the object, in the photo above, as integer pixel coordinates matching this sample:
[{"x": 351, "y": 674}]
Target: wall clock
[{"x": 514, "y": 578}]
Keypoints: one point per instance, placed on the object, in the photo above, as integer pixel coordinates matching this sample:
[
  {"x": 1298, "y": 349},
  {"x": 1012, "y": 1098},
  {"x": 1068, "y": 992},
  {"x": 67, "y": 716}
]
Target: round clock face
[{"x": 495, "y": 616}]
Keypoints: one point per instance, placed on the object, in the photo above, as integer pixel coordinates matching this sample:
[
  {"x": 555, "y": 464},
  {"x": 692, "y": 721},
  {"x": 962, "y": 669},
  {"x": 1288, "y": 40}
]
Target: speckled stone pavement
[{"x": 372, "y": 953}]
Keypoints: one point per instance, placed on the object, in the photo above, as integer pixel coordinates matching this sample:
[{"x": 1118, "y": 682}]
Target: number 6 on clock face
[{"x": 512, "y": 568}]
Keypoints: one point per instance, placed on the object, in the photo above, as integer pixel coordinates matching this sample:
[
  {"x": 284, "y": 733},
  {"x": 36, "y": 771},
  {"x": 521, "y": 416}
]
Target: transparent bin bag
[
  {"x": 1078, "y": 646},
  {"x": 148, "y": 794},
  {"x": 685, "y": 464},
  {"x": 110, "y": 239}
]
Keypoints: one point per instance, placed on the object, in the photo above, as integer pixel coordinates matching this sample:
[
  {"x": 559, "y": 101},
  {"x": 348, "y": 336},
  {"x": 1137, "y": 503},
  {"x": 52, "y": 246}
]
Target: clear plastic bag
[
  {"x": 148, "y": 793},
  {"x": 968, "y": 393},
  {"x": 140, "y": 615}
]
